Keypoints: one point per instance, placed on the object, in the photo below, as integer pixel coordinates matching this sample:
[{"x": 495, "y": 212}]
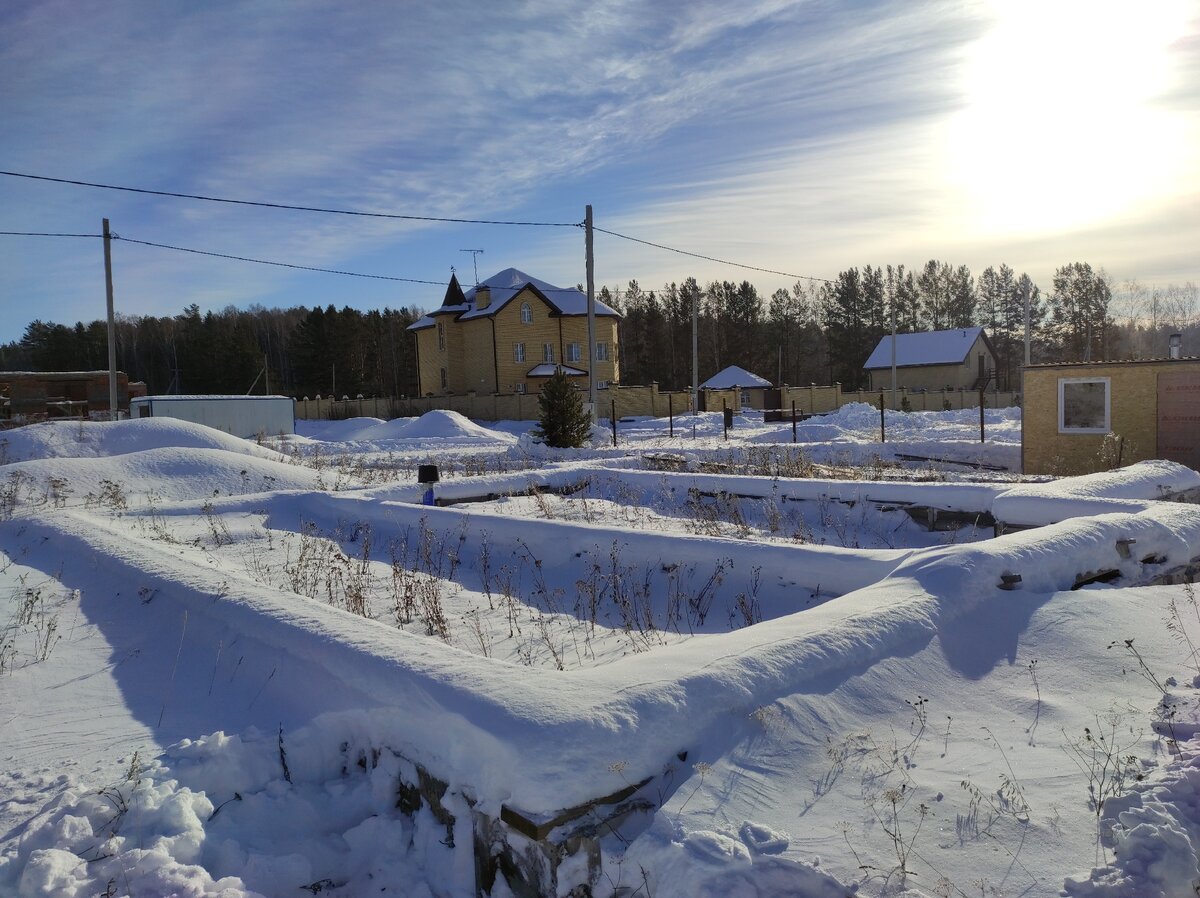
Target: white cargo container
[{"x": 242, "y": 416}]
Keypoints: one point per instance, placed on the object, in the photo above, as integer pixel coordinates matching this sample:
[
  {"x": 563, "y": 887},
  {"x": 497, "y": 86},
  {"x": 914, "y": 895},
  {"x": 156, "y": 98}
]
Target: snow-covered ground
[{"x": 765, "y": 667}]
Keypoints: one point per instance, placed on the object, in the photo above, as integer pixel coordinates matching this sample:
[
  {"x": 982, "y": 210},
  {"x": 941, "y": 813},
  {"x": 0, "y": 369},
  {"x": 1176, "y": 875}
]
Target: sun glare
[{"x": 1063, "y": 125}]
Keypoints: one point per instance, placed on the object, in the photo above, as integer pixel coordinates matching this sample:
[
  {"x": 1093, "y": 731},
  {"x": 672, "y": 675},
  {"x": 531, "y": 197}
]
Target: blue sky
[{"x": 805, "y": 137}]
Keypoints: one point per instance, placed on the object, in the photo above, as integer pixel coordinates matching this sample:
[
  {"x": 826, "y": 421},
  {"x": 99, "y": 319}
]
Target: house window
[
  {"x": 547, "y": 352},
  {"x": 518, "y": 352},
  {"x": 601, "y": 352},
  {"x": 441, "y": 336},
  {"x": 573, "y": 352},
  {"x": 526, "y": 313},
  {"x": 520, "y": 388},
  {"x": 443, "y": 378},
  {"x": 1084, "y": 405}
]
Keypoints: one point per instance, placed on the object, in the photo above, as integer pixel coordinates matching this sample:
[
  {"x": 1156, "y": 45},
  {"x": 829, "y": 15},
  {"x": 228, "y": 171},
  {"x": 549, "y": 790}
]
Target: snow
[
  {"x": 219, "y": 660},
  {"x": 733, "y": 377}
]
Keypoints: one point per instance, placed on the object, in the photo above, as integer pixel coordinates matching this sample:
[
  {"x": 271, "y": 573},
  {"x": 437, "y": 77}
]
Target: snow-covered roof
[
  {"x": 928, "y": 348},
  {"x": 733, "y": 377},
  {"x": 547, "y": 369},
  {"x": 503, "y": 287}
]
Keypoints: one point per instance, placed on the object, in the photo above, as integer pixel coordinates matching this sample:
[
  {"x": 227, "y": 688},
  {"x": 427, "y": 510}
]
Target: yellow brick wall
[
  {"x": 1133, "y": 401},
  {"x": 430, "y": 361},
  {"x": 479, "y": 371}
]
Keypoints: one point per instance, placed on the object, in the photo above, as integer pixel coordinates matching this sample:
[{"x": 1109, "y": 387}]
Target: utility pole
[
  {"x": 695, "y": 354},
  {"x": 112, "y": 327},
  {"x": 893, "y": 353},
  {"x": 591, "y": 308}
]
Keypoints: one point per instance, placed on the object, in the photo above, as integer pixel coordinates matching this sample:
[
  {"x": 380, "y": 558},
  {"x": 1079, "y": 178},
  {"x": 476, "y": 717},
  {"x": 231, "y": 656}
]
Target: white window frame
[
  {"x": 518, "y": 352},
  {"x": 526, "y": 313},
  {"x": 519, "y": 388},
  {"x": 601, "y": 352},
  {"x": 1063, "y": 382},
  {"x": 548, "y": 353},
  {"x": 574, "y": 352}
]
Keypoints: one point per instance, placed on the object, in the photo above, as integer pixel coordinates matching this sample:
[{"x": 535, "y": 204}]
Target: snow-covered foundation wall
[{"x": 498, "y": 764}]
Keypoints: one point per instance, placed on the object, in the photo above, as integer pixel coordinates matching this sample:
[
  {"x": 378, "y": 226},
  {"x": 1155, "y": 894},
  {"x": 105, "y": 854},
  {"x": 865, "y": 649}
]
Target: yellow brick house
[{"x": 508, "y": 335}]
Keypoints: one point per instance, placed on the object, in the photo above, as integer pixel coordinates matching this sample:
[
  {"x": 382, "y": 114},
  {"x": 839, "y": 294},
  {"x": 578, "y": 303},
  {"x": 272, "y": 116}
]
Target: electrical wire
[
  {"x": 295, "y": 208},
  {"x": 200, "y": 252},
  {"x": 684, "y": 252},
  {"x": 43, "y": 234}
]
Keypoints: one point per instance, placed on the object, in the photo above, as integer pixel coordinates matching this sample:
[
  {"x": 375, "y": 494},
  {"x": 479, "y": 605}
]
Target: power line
[
  {"x": 295, "y": 208},
  {"x": 684, "y": 252},
  {"x": 200, "y": 252},
  {"x": 43, "y": 234}
]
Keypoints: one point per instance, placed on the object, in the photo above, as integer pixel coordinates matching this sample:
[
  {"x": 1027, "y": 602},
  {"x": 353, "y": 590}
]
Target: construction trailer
[{"x": 242, "y": 416}]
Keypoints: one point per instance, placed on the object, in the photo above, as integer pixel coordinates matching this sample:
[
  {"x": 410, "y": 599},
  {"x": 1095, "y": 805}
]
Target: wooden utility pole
[
  {"x": 695, "y": 355},
  {"x": 591, "y": 311},
  {"x": 112, "y": 326}
]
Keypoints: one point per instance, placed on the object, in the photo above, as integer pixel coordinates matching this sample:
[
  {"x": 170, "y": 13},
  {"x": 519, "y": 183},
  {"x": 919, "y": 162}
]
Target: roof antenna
[{"x": 474, "y": 258}]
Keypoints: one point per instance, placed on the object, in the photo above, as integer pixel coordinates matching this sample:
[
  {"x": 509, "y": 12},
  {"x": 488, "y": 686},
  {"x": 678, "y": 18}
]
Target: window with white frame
[
  {"x": 601, "y": 352},
  {"x": 1084, "y": 405},
  {"x": 547, "y": 352},
  {"x": 526, "y": 313},
  {"x": 441, "y": 329},
  {"x": 518, "y": 352},
  {"x": 519, "y": 388},
  {"x": 574, "y": 352}
]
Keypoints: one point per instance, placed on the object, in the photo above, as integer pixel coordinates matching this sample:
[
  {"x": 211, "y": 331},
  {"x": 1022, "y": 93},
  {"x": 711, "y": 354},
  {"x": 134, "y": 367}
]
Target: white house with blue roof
[
  {"x": 962, "y": 358},
  {"x": 508, "y": 334}
]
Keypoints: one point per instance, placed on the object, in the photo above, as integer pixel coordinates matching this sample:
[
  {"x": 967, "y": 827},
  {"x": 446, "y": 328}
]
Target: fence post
[
  {"x": 614, "y": 421},
  {"x": 981, "y": 414},
  {"x": 882, "y": 426},
  {"x": 793, "y": 420},
  {"x": 670, "y": 415}
]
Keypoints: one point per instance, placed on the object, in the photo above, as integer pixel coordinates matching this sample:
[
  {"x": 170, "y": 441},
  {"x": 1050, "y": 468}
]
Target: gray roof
[
  {"x": 928, "y": 348},
  {"x": 503, "y": 287}
]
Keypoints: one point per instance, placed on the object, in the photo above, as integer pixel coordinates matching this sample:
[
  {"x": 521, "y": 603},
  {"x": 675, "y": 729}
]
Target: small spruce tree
[{"x": 564, "y": 423}]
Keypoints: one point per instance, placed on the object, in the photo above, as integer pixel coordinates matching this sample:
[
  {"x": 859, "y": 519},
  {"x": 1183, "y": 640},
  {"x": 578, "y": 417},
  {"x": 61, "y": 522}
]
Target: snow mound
[
  {"x": 446, "y": 427},
  {"x": 95, "y": 439},
  {"x": 170, "y": 474},
  {"x": 438, "y": 424}
]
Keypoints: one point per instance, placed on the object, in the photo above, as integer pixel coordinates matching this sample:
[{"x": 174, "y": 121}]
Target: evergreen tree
[
  {"x": 563, "y": 421},
  {"x": 1080, "y": 323}
]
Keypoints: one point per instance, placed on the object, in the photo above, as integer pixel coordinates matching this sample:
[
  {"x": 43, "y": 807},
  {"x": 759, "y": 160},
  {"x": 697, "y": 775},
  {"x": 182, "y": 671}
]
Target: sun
[{"x": 1064, "y": 123}]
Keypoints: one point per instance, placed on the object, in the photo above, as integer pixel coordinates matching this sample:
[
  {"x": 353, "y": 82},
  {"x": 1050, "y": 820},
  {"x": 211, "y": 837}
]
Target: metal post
[
  {"x": 725, "y": 417},
  {"x": 112, "y": 326},
  {"x": 893, "y": 352},
  {"x": 614, "y": 421},
  {"x": 695, "y": 353},
  {"x": 670, "y": 416},
  {"x": 793, "y": 420},
  {"x": 591, "y": 314},
  {"x": 882, "y": 425},
  {"x": 981, "y": 399}
]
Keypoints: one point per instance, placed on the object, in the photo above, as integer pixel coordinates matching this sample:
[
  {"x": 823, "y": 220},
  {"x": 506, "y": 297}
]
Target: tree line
[
  {"x": 815, "y": 332},
  {"x": 822, "y": 332},
  {"x": 297, "y": 351}
]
